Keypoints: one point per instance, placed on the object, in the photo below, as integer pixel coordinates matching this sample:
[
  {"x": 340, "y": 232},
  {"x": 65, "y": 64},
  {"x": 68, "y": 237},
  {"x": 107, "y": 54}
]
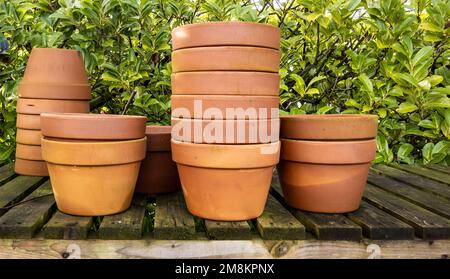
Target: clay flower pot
[
  {"x": 28, "y": 152},
  {"x": 29, "y": 167},
  {"x": 55, "y": 91},
  {"x": 226, "y": 131},
  {"x": 28, "y": 121},
  {"x": 225, "y": 58},
  {"x": 30, "y": 137},
  {"x": 225, "y": 83},
  {"x": 38, "y": 106},
  {"x": 158, "y": 173},
  {"x": 225, "y": 182},
  {"x": 230, "y": 33},
  {"x": 93, "y": 178},
  {"x": 246, "y": 107}
]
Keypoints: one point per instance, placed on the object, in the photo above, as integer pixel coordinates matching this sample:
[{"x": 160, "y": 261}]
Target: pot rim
[
  {"x": 225, "y": 48},
  {"x": 231, "y": 22},
  {"x": 78, "y": 115},
  {"x": 24, "y": 83},
  {"x": 158, "y": 130},
  {"x": 330, "y": 117}
]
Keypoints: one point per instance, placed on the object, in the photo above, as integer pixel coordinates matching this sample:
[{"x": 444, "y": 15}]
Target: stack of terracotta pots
[
  {"x": 93, "y": 160},
  {"x": 225, "y": 116},
  {"x": 325, "y": 160},
  {"x": 54, "y": 81}
]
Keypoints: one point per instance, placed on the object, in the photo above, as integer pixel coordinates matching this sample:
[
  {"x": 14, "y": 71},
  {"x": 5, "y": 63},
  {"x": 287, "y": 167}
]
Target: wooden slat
[
  {"x": 24, "y": 220},
  {"x": 278, "y": 223},
  {"x": 172, "y": 220},
  {"x": 427, "y": 224},
  {"x": 436, "y": 175},
  {"x": 125, "y": 225},
  {"x": 17, "y": 189},
  {"x": 227, "y": 230},
  {"x": 444, "y": 169},
  {"x": 377, "y": 224},
  {"x": 63, "y": 226},
  {"x": 6, "y": 173},
  {"x": 423, "y": 199},
  {"x": 415, "y": 180}
]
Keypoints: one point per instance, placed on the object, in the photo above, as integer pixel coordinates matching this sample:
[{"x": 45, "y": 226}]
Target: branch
[{"x": 130, "y": 100}]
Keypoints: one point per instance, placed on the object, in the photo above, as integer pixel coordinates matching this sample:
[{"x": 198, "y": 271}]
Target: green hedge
[{"x": 381, "y": 57}]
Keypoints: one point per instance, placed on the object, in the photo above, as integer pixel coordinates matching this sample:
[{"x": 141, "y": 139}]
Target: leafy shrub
[{"x": 382, "y": 57}]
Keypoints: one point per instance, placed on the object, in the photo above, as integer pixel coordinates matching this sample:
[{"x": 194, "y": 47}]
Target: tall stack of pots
[
  {"x": 225, "y": 135},
  {"x": 54, "y": 81}
]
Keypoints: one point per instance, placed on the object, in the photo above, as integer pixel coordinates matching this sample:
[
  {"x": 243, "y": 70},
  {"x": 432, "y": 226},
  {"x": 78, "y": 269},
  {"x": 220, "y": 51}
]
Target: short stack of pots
[
  {"x": 54, "y": 81},
  {"x": 225, "y": 123},
  {"x": 325, "y": 160},
  {"x": 93, "y": 160}
]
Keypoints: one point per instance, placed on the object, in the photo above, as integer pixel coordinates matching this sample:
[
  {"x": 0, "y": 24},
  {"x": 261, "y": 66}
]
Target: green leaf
[
  {"x": 406, "y": 107},
  {"x": 367, "y": 84},
  {"x": 403, "y": 153},
  {"x": 423, "y": 54},
  {"x": 316, "y": 79},
  {"x": 427, "y": 152}
]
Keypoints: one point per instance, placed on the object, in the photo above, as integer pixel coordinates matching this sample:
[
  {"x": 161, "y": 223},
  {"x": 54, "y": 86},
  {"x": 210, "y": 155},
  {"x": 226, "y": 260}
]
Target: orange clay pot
[
  {"x": 329, "y": 126},
  {"x": 229, "y": 58},
  {"x": 225, "y": 83},
  {"x": 29, "y": 167},
  {"x": 28, "y": 152},
  {"x": 225, "y": 182},
  {"x": 226, "y": 33},
  {"x": 92, "y": 126},
  {"x": 28, "y": 121},
  {"x": 183, "y": 106},
  {"x": 325, "y": 176},
  {"x": 30, "y": 137},
  {"x": 226, "y": 131},
  {"x": 58, "y": 66},
  {"x": 158, "y": 173},
  {"x": 93, "y": 178},
  {"x": 55, "y": 91},
  {"x": 38, "y": 106}
]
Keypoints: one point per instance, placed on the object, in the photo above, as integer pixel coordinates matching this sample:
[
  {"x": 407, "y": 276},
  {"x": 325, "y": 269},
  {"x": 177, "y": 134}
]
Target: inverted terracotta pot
[
  {"x": 55, "y": 91},
  {"x": 226, "y": 131},
  {"x": 30, "y": 137},
  {"x": 53, "y": 65},
  {"x": 225, "y": 83},
  {"x": 38, "y": 106},
  {"x": 89, "y": 185},
  {"x": 158, "y": 138},
  {"x": 225, "y": 182},
  {"x": 92, "y": 126},
  {"x": 229, "y": 58},
  {"x": 329, "y": 126},
  {"x": 226, "y": 33},
  {"x": 31, "y": 168},
  {"x": 28, "y": 121},
  {"x": 28, "y": 152},
  {"x": 216, "y": 107}
]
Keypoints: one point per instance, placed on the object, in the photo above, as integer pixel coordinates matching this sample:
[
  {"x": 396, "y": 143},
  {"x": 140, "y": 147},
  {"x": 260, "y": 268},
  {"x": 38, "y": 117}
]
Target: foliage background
[{"x": 389, "y": 58}]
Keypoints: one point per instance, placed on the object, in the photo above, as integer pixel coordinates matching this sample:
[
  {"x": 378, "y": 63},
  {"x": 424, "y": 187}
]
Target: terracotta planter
[
  {"x": 30, "y": 137},
  {"x": 226, "y": 33},
  {"x": 225, "y": 83},
  {"x": 229, "y": 58},
  {"x": 92, "y": 126},
  {"x": 225, "y": 182},
  {"x": 158, "y": 173},
  {"x": 28, "y": 152},
  {"x": 226, "y": 131},
  {"x": 329, "y": 126},
  {"x": 184, "y": 106},
  {"x": 55, "y": 91},
  {"x": 28, "y": 121},
  {"x": 38, "y": 106},
  {"x": 32, "y": 168},
  {"x": 93, "y": 178}
]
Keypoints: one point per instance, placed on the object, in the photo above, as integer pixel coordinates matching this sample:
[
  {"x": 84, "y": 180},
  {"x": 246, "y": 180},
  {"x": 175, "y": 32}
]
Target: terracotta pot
[
  {"x": 89, "y": 185},
  {"x": 32, "y": 168},
  {"x": 55, "y": 91},
  {"x": 229, "y": 58},
  {"x": 325, "y": 176},
  {"x": 225, "y": 182},
  {"x": 28, "y": 121},
  {"x": 230, "y": 33},
  {"x": 28, "y": 152},
  {"x": 329, "y": 126},
  {"x": 38, "y": 106},
  {"x": 184, "y": 106},
  {"x": 93, "y": 126},
  {"x": 158, "y": 173},
  {"x": 53, "y": 65},
  {"x": 226, "y": 131},
  {"x": 225, "y": 83},
  {"x": 30, "y": 137}
]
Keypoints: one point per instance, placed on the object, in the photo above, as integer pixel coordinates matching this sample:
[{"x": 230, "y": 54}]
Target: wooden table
[{"x": 405, "y": 213}]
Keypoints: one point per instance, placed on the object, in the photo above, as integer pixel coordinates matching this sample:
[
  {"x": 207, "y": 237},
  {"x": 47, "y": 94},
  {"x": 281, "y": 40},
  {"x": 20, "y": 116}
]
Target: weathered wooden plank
[
  {"x": 64, "y": 226},
  {"x": 25, "y": 219},
  {"x": 415, "y": 180},
  {"x": 17, "y": 189},
  {"x": 444, "y": 169},
  {"x": 427, "y": 225},
  {"x": 227, "y": 230},
  {"x": 277, "y": 222},
  {"x": 7, "y": 173},
  {"x": 436, "y": 175},
  {"x": 377, "y": 224},
  {"x": 423, "y": 199},
  {"x": 125, "y": 225},
  {"x": 172, "y": 220}
]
